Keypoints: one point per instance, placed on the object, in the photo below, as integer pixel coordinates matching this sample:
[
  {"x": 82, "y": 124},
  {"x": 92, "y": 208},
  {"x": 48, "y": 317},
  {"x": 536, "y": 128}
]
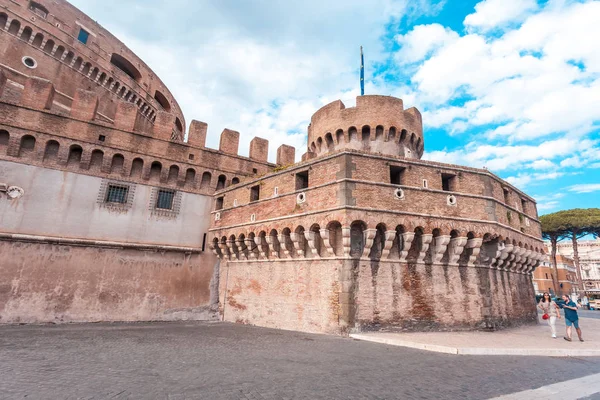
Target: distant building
[
  {"x": 589, "y": 260},
  {"x": 543, "y": 276}
]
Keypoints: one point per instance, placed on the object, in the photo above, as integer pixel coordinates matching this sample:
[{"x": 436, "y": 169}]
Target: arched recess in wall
[
  {"x": 173, "y": 174},
  {"x": 3, "y": 20},
  {"x": 14, "y": 27},
  {"x": 96, "y": 159},
  {"x": 357, "y": 241},
  {"x": 235, "y": 181},
  {"x": 178, "y": 124},
  {"x": 190, "y": 177},
  {"x": 69, "y": 58},
  {"x": 155, "y": 170},
  {"x": 60, "y": 50},
  {"x": 37, "y": 40},
  {"x": 26, "y": 34},
  {"x": 126, "y": 66},
  {"x": 27, "y": 145},
  {"x": 86, "y": 68},
  {"x": 75, "y": 153},
  {"x": 4, "y": 138},
  {"x": 136, "y": 168},
  {"x": 221, "y": 182},
  {"x": 51, "y": 151},
  {"x": 116, "y": 165},
  {"x": 78, "y": 63},
  {"x": 49, "y": 46},
  {"x": 162, "y": 100},
  {"x": 206, "y": 178}
]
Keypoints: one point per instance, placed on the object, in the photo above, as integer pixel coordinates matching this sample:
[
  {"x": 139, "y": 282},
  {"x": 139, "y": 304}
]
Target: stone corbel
[
  {"x": 242, "y": 249},
  {"x": 224, "y": 250},
  {"x": 262, "y": 248},
  {"x": 501, "y": 256},
  {"x": 389, "y": 241},
  {"x": 475, "y": 246},
  {"x": 232, "y": 249},
  {"x": 407, "y": 239},
  {"x": 273, "y": 246},
  {"x": 455, "y": 249},
  {"x": 368, "y": 237},
  {"x": 252, "y": 248},
  {"x": 440, "y": 244},
  {"x": 518, "y": 251},
  {"x": 426, "y": 239},
  {"x": 498, "y": 253},
  {"x": 325, "y": 236},
  {"x": 298, "y": 243},
  {"x": 525, "y": 261},
  {"x": 215, "y": 249},
  {"x": 346, "y": 241},
  {"x": 506, "y": 256},
  {"x": 311, "y": 238},
  {"x": 283, "y": 245}
]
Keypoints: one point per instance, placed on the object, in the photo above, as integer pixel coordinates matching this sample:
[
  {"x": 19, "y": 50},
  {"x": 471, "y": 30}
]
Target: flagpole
[{"x": 362, "y": 73}]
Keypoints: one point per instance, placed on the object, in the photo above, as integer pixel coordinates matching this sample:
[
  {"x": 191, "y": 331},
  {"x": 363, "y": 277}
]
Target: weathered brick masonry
[{"x": 363, "y": 234}]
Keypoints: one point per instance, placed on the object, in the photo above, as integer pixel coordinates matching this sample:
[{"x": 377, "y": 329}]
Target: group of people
[{"x": 552, "y": 313}]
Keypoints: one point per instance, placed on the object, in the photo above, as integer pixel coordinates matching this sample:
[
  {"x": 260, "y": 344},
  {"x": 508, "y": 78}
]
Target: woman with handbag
[{"x": 551, "y": 312}]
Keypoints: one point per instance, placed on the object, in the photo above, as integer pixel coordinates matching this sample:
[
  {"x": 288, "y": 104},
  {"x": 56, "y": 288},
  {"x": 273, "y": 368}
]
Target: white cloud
[
  {"x": 490, "y": 14},
  {"x": 585, "y": 188},
  {"x": 542, "y": 164},
  {"x": 522, "y": 180}
]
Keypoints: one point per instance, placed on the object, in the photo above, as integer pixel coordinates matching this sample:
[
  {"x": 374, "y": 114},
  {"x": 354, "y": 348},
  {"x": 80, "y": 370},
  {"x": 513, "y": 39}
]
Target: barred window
[
  {"x": 164, "y": 200},
  {"x": 117, "y": 194}
]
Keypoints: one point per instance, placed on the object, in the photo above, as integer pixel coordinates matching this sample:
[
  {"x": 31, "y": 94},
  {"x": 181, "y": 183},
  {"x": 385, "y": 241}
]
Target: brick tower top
[
  {"x": 378, "y": 124},
  {"x": 55, "y": 41}
]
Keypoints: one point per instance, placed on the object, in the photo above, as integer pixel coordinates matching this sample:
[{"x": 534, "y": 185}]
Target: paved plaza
[{"x": 226, "y": 361}]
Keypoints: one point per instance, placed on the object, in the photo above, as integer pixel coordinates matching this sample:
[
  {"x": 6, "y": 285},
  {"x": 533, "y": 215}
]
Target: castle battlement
[
  {"x": 378, "y": 124},
  {"x": 80, "y": 135}
]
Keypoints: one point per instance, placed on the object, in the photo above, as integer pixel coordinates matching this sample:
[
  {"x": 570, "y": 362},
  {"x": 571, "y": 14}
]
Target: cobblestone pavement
[{"x": 224, "y": 361}]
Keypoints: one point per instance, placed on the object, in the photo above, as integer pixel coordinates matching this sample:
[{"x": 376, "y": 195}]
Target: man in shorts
[{"x": 571, "y": 317}]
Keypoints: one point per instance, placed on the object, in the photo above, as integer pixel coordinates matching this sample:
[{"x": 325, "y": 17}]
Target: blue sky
[{"x": 510, "y": 85}]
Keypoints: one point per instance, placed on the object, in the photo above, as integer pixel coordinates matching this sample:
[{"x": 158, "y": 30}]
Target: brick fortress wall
[{"x": 352, "y": 239}]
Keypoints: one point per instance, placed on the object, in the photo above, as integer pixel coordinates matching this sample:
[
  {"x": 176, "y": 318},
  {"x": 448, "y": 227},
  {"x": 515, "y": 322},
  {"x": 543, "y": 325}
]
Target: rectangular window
[
  {"x": 301, "y": 180},
  {"x": 425, "y": 185},
  {"x": 164, "y": 199},
  {"x": 219, "y": 203},
  {"x": 523, "y": 205},
  {"x": 506, "y": 196},
  {"x": 397, "y": 175},
  {"x": 203, "y": 242},
  {"x": 255, "y": 193},
  {"x": 117, "y": 194},
  {"x": 448, "y": 182},
  {"x": 83, "y": 36}
]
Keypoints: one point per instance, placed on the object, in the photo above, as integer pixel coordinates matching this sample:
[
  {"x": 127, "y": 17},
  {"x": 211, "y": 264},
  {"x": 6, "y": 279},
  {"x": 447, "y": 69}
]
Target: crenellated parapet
[
  {"x": 40, "y": 131},
  {"x": 378, "y": 124}
]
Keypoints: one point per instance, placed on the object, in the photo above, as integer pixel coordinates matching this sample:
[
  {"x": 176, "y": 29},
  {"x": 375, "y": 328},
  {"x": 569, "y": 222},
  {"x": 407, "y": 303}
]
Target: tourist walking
[
  {"x": 551, "y": 312},
  {"x": 571, "y": 318}
]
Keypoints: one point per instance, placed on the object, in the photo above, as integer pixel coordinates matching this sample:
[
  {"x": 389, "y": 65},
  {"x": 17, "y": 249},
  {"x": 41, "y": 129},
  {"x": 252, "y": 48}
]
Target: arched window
[
  {"x": 27, "y": 145},
  {"x": 75, "y": 153},
  {"x": 94, "y": 73},
  {"x": 221, "y": 182},
  {"x": 235, "y": 181},
  {"x": 26, "y": 34},
  {"x": 49, "y": 46},
  {"x": 86, "y": 68},
  {"x": 206, "y": 178},
  {"x": 14, "y": 27},
  {"x": 102, "y": 78},
  {"x": 51, "y": 150},
  {"x": 162, "y": 100},
  {"x": 124, "y": 65},
  {"x": 116, "y": 165}
]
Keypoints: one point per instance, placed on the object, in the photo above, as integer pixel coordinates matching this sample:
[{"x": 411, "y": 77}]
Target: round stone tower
[{"x": 378, "y": 124}]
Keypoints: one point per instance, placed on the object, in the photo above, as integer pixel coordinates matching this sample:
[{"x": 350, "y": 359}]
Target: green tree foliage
[{"x": 575, "y": 223}]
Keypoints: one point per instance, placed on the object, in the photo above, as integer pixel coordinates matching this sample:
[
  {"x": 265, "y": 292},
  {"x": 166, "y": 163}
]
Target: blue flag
[{"x": 362, "y": 73}]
